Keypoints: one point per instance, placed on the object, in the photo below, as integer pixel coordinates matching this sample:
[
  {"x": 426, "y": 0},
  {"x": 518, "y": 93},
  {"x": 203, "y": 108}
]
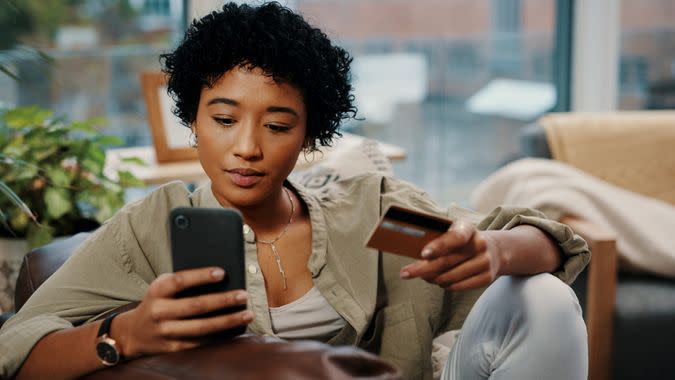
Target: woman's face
[{"x": 250, "y": 131}]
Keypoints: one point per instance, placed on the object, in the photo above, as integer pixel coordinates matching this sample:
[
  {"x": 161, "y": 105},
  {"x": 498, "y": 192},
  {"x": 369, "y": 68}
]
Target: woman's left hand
[{"x": 462, "y": 258}]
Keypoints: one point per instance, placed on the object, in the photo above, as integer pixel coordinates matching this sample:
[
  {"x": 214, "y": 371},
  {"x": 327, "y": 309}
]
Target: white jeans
[{"x": 522, "y": 328}]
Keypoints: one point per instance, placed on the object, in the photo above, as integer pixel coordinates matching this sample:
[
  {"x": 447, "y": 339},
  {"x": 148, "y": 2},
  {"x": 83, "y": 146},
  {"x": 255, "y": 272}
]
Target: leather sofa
[
  {"x": 244, "y": 357},
  {"x": 630, "y": 317}
]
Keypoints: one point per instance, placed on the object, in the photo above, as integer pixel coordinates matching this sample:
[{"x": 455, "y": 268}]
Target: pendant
[{"x": 279, "y": 265}]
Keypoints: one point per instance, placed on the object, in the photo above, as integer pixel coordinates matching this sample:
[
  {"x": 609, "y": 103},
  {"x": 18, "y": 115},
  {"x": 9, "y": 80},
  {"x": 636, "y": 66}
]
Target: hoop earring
[
  {"x": 193, "y": 140},
  {"x": 305, "y": 152}
]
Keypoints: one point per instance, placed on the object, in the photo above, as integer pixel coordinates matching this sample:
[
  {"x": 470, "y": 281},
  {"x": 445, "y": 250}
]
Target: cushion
[
  {"x": 341, "y": 161},
  {"x": 628, "y": 149}
]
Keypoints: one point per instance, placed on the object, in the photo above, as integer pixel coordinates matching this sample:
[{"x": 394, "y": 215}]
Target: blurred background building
[{"x": 452, "y": 81}]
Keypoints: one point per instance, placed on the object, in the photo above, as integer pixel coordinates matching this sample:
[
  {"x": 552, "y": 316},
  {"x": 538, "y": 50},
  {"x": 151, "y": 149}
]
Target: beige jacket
[{"x": 396, "y": 319}]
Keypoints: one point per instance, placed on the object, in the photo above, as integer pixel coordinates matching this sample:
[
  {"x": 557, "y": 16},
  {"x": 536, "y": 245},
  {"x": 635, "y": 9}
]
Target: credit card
[{"x": 405, "y": 232}]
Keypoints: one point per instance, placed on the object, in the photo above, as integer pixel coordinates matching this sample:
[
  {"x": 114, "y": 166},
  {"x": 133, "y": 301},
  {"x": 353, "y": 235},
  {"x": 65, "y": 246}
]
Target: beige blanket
[{"x": 644, "y": 226}]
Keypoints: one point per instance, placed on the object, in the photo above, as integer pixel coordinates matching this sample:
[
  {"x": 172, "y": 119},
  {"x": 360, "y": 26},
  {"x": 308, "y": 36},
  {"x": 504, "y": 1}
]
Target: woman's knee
[
  {"x": 545, "y": 293},
  {"x": 545, "y": 300},
  {"x": 518, "y": 317},
  {"x": 540, "y": 297}
]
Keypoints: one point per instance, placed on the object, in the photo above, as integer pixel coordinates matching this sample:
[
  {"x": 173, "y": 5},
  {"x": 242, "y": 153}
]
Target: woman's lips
[{"x": 244, "y": 180}]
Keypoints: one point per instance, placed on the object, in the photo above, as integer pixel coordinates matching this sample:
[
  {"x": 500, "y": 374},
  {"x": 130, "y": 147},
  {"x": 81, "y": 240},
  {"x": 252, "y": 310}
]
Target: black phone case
[{"x": 202, "y": 237}]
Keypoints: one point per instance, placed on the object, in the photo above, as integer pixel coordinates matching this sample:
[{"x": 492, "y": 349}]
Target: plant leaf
[
  {"x": 16, "y": 200},
  {"x": 97, "y": 121},
  {"x": 24, "y": 117},
  {"x": 55, "y": 166},
  {"x": 15, "y": 147},
  {"x": 41, "y": 154},
  {"x": 58, "y": 176},
  {"x": 19, "y": 221},
  {"x": 3, "y": 221},
  {"x": 27, "y": 172},
  {"x": 127, "y": 179},
  {"x": 45, "y": 57},
  {"x": 134, "y": 160},
  {"x": 109, "y": 140},
  {"x": 82, "y": 126},
  {"x": 57, "y": 201},
  {"x": 8, "y": 72},
  {"x": 94, "y": 159},
  {"x": 39, "y": 235},
  {"x": 92, "y": 166},
  {"x": 39, "y": 53}
]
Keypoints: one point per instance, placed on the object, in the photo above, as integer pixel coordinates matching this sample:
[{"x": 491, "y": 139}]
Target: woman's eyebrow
[
  {"x": 270, "y": 109},
  {"x": 275, "y": 109},
  {"x": 231, "y": 102}
]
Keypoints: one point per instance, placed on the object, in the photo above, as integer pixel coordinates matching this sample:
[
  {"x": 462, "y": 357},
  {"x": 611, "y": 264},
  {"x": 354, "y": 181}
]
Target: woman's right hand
[{"x": 161, "y": 323}]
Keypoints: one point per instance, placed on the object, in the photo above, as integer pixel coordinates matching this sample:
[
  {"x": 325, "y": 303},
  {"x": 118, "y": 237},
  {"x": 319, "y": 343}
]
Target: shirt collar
[{"x": 204, "y": 197}]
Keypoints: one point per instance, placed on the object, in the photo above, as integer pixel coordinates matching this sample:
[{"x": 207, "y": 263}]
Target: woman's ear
[{"x": 193, "y": 136}]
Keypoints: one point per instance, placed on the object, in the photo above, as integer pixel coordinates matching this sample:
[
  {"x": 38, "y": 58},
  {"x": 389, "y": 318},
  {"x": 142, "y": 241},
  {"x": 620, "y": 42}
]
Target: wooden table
[{"x": 154, "y": 173}]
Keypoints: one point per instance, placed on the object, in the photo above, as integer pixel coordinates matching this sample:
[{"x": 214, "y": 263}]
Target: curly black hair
[{"x": 278, "y": 41}]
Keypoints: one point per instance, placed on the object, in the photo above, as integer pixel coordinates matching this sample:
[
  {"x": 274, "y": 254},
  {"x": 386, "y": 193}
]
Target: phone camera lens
[{"x": 181, "y": 221}]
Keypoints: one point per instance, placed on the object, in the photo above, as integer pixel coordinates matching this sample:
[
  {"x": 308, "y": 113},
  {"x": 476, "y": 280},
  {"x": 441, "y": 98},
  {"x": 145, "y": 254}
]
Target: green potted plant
[
  {"x": 52, "y": 178},
  {"x": 52, "y": 182}
]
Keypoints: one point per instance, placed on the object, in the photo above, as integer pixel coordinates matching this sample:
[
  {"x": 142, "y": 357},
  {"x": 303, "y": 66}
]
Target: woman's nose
[{"x": 247, "y": 146}]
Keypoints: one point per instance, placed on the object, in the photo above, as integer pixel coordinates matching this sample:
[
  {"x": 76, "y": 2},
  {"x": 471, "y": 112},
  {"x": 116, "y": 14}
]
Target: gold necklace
[{"x": 271, "y": 242}]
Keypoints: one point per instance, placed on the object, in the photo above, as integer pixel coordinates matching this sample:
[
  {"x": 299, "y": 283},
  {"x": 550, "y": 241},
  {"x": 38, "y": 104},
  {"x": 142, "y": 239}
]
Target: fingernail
[
  {"x": 405, "y": 275},
  {"x": 241, "y": 297},
  {"x": 247, "y": 317},
  {"x": 426, "y": 252},
  {"x": 218, "y": 273}
]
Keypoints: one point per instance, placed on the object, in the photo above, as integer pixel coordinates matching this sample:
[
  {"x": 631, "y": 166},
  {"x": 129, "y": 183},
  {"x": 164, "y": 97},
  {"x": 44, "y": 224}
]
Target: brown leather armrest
[
  {"x": 255, "y": 357},
  {"x": 601, "y": 292},
  {"x": 39, "y": 264}
]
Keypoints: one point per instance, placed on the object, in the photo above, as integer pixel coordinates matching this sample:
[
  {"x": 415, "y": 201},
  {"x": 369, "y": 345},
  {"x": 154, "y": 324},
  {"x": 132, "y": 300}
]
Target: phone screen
[{"x": 202, "y": 237}]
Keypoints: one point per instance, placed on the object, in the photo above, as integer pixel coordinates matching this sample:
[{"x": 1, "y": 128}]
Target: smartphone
[{"x": 202, "y": 237}]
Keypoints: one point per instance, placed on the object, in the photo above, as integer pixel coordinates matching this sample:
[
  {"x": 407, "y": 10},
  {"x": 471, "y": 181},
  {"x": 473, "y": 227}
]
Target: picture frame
[{"x": 170, "y": 138}]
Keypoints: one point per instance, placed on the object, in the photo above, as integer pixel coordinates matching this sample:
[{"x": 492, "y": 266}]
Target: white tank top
[{"x": 308, "y": 317}]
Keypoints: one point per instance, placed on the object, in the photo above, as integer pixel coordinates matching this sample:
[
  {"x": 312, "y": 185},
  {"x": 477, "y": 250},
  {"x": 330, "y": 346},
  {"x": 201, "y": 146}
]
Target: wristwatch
[{"x": 106, "y": 347}]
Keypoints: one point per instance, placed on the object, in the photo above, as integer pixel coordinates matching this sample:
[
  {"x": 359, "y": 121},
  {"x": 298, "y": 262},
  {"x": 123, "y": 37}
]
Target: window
[
  {"x": 486, "y": 72},
  {"x": 451, "y": 81},
  {"x": 647, "y": 55},
  {"x": 98, "y": 48}
]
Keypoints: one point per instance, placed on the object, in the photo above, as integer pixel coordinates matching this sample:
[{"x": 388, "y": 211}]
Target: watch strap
[{"x": 105, "y": 326}]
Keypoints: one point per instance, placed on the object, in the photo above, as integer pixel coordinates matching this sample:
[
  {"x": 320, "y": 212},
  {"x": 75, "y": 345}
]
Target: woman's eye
[
  {"x": 277, "y": 128},
  {"x": 224, "y": 121}
]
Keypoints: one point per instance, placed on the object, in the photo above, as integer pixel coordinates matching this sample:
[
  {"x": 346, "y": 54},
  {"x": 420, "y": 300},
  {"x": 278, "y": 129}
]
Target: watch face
[{"x": 107, "y": 353}]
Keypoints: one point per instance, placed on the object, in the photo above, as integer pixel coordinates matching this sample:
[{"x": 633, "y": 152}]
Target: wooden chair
[{"x": 628, "y": 337}]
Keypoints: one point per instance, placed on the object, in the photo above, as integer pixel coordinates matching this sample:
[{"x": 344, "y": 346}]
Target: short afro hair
[{"x": 279, "y": 42}]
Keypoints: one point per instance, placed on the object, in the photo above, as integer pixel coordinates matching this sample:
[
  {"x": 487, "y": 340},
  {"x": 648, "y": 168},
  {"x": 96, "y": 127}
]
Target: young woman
[{"x": 258, "y": 86}]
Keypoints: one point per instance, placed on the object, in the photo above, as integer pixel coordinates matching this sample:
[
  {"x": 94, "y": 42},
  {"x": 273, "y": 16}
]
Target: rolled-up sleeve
[
  {"x": 112, "y": 268},
  {"x": 64, "y": 300},
  {"x": 87, "y": 285},
  {"x": 574, "y": 249},
  {"x": 575, "y": 252}
]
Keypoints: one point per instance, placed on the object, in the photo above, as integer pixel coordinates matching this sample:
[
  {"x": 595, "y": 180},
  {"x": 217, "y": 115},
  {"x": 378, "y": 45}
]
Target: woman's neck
[{"x": 271, "y": 216}]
